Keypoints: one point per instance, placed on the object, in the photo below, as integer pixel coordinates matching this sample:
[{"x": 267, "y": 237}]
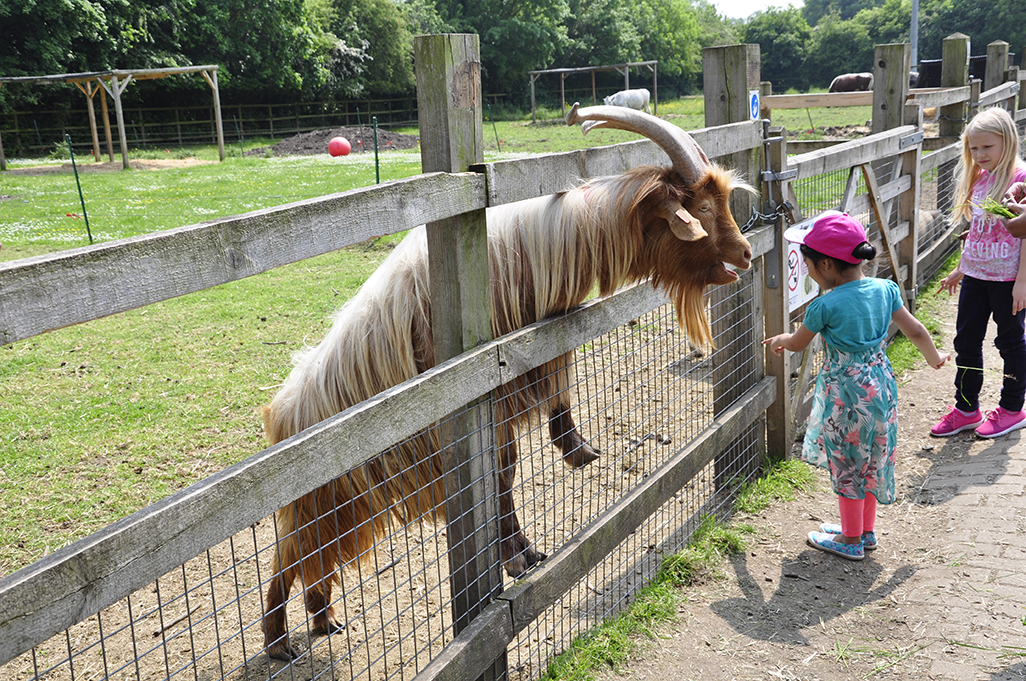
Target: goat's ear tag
[{"x": 685, "y": 226}]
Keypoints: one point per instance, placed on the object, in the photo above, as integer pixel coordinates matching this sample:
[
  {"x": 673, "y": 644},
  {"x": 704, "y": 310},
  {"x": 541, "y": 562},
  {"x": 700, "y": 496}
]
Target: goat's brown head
[{"x": 688, "y": 235}]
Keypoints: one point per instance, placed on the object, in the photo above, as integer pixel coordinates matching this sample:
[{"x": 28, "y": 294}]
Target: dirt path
[{"x": 943, "y": 597}]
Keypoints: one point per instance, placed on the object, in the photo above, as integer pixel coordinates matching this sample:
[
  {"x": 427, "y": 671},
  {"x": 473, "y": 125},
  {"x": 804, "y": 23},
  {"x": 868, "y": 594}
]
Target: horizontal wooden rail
[
  {"x": 930, "y": 97},
  {"x": 944, "y": 155},
  {"x": 999, "y": 93},
  {"x": 817, "y": 100},
  {"x": 527, "y": 178},
  {"x": 849, "y": 154},
  {"x": 97, "y": 571},
  {"x": 56, "y": 290},
  {"x": 475, "y": 649}
]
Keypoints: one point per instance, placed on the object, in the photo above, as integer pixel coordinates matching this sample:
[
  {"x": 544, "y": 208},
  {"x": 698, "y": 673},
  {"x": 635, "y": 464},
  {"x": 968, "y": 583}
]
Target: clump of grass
[
  {"x": 613, "y": 643},
  {"x": 995, "y": 208}
]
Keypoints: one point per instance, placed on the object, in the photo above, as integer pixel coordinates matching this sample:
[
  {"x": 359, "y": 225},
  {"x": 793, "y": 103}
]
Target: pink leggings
[{"x": 858, "y": 516}]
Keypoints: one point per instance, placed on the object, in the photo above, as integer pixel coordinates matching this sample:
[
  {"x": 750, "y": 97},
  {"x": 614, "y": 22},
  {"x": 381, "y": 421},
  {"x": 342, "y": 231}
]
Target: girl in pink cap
[
  {"x": 993, "y": 278},
  {"x": 853, "y": 428}
]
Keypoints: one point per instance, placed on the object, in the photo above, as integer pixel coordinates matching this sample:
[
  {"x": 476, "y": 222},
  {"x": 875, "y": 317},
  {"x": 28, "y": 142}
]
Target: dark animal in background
[
  {"x": 913, "y": 79},
  {"x": 852, "y": 82},
  {"x": 670, "y": 225}
]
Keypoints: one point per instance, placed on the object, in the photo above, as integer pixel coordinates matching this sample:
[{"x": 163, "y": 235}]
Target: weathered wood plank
[
  {"x": 527, "y": 178},
  {"x": 531, "y": 596},
  {"x": 97, "y": 571},
  {"x": 855, "y": 152},
  {"x": 999, "y": 94},
  {"x": 474, "y": 649},
  {"x": 51, "y": 291},
  {"x": 941, "y": 96},
  {"x": 818, "y": 100},
  {"x": 944, "y": 155}
]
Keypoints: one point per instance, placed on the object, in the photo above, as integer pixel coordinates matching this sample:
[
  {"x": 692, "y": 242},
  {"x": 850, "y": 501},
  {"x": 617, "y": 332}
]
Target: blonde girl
[{"x": 993, "y": 279}]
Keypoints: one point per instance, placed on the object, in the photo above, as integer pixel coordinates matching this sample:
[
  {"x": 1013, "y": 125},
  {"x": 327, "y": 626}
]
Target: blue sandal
[
  {"x": 868, "y": 538},
  {"x": 825, "y": 542}
]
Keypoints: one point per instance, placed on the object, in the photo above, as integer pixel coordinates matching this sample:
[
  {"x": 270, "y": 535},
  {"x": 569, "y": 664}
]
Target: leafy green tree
[
  {"x": 516, "y": 37},
  {"x": 713, "y": 28},
  {"x": 783, "y": 37},
  {"x": 890, "y": 22},
  {"x": 381, "y": 28},
  {"x": 983, "y": 22},
  {"x": 261, "y": 48},
  {"x": 600, "y": 32},
  {"x": 837, "y": 47},
  {"x": 815, "y": 10},
  {"x": 670, "y": 34}
]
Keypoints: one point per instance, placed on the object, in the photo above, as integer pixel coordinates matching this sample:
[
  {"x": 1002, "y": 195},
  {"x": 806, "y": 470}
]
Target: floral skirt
[{"x": 853, "y": 427}]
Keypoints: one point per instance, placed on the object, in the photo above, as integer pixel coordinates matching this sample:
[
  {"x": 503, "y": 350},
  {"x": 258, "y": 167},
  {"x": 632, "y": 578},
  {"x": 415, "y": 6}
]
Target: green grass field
[{"x": 103, "y": 418}]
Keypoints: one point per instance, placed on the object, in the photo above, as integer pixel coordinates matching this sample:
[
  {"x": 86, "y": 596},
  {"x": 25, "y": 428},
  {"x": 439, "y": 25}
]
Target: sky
[{"x": 742, "y": 9}]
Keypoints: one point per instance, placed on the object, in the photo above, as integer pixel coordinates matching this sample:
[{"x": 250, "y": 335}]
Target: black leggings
[{"x": 978, "y": 300}]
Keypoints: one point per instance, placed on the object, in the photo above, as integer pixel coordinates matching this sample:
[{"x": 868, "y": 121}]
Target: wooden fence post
[
  {"x": 997, "y": 64},
  {"x": 449, "y": 100},
  {"x": 780, "y": 415},
  {"x": 890, "y": 85},
  {"x": 954, "y": 73},
  {"x": 730, "y": 73}
]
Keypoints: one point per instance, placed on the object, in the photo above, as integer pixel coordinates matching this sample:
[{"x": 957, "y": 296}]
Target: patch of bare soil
[
  {"x": 943, "y": 597},
  {"x": 109, "y": 166},
  {"x": 316, "y": 141}
]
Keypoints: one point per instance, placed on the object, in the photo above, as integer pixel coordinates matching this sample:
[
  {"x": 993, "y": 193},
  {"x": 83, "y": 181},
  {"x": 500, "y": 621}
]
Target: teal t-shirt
[{"x": 855, "y": 316}]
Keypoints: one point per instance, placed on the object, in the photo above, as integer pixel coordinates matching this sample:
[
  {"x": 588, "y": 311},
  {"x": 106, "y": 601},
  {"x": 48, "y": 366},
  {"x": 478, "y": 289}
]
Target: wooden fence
[{"x": 606, "y": 532}]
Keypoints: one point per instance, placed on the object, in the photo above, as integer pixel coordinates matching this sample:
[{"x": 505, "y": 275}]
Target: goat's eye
[{"x": 706, "y": 208}]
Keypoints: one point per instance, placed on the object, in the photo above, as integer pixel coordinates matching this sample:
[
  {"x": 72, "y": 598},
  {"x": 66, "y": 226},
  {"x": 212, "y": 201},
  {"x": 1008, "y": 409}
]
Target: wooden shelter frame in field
[
  {"x": 114, "y": 83},
  {"x": 68, "y": 607},
  {"x": 625, "y": 69}
]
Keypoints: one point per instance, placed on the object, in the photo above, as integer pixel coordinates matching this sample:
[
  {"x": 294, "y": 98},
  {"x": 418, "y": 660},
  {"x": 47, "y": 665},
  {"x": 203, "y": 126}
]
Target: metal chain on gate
[{"x": 784, "y": 210}]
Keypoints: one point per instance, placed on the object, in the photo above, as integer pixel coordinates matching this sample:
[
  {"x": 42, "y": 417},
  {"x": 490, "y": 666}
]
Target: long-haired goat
[{"x": 671, "y": 225}]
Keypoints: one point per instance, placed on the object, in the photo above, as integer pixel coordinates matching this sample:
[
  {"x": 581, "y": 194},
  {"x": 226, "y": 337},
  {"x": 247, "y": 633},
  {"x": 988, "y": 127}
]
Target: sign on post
[
  {"x": 801, "y": 288},
  {"x": 753, "y": 104}
]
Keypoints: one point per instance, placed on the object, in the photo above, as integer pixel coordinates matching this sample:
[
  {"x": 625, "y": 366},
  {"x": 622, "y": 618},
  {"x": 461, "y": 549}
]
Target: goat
[
  {"x": 632, "y": 99},
  {"x": 852, "y": 82},
  {"x": 670, "y": 225}
]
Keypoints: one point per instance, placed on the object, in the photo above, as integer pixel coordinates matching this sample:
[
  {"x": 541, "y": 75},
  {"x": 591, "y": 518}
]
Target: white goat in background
[{"x": 632, "y": 99}]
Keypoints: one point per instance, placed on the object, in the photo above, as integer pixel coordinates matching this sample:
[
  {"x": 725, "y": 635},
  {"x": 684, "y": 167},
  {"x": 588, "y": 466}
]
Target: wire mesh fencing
[{"x": 371, "y": 594}]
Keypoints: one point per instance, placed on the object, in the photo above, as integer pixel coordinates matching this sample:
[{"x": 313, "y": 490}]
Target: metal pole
[{"x": 85, "y": 216}]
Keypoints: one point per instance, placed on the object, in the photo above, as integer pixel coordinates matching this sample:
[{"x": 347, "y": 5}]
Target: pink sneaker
[
  {"x": 955, "y": 422},
  {"x": 1001, "y": 421}
]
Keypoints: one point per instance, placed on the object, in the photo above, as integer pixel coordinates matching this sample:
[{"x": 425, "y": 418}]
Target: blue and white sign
[{"x": 753, "y": 104}]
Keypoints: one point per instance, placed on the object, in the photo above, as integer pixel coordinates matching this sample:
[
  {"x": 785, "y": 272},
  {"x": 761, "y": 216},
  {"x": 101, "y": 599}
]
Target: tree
[
  {"x": 890, "y": 22},
  {"x": 837, "y": 47},
  {"x": 600, "y": 32},
  {"x": 815, "y": 10},
  {"x": 262, "y": 48},
  {"x": 516, "y": 37},
  {"x": 670, "y": 34},
  {"x": 783, "y": 37}
]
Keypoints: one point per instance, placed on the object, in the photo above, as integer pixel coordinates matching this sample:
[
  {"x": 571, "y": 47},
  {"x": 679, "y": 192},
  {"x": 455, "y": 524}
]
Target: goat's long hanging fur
[{"x": 545, "y": 256}]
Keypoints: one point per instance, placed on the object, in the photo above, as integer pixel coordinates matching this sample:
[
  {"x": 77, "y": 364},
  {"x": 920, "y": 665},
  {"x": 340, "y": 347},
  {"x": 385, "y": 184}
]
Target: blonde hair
[{"x": 997, "y": 121}]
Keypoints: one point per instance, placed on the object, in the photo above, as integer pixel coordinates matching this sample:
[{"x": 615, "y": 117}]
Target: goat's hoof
[
  {"x": 582, "y": 455},
  {"x": 523, "y": 561},
  {"x": 282, "y": 651},
  {"x": 329, "y": 628}
]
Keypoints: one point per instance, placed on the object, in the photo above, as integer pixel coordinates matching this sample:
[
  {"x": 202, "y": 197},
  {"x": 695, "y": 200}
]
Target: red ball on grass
[{"x": 339, "y": 146}]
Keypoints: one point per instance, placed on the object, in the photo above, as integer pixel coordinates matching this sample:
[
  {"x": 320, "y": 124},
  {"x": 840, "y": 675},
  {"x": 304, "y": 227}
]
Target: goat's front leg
[
  {"x": 562, "y": 429},
  {"x": 518, "y": 555}
]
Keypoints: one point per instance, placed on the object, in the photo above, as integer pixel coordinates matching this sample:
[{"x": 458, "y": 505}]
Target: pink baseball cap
[{"x": 832, "y": 233}]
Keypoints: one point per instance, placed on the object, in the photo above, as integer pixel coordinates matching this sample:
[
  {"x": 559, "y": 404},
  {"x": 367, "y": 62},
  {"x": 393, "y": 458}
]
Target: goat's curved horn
[{"x": 687, "y": 157}]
